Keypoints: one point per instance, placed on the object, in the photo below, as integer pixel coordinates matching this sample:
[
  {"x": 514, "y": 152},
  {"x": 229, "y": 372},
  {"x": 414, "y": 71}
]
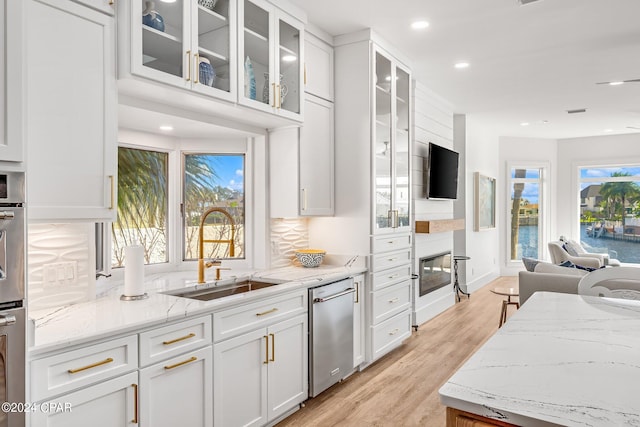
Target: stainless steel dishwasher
[{"x": 331, "y": 334}]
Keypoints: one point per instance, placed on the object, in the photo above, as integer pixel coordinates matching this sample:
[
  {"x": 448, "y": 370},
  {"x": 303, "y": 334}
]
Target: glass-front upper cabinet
[
  {"x": 392, "y": 144},
  {"x": 270, "y": 59},
  {"x": 186, "y": 43}
]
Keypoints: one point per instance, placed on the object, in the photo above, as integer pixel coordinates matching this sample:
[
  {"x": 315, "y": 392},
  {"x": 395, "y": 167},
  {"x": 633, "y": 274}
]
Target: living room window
[
  {"x": 610, "y": 211},
  {"x": 525, "y": 212}
]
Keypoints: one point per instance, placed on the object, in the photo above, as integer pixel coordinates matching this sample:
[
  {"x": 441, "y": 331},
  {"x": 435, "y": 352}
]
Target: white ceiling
[{"x": 528, "y": 63}]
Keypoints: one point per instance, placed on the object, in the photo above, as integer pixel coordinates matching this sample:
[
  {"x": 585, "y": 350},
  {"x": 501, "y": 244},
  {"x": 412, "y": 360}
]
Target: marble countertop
[
  {"x": 561, "y": 359},
  {"x": 107, "y": 315}
]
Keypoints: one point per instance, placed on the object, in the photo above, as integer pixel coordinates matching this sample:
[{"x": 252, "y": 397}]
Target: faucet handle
[
  {"x": 218, "y": 269},
  {"x": 213, "y": 262}
]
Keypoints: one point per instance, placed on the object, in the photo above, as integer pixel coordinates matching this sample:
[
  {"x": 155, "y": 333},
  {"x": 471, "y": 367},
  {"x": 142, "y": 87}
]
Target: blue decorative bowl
[{"x": 154, "y": 20}]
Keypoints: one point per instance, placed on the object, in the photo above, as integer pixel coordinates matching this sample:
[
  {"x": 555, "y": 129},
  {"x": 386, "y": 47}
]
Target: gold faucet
[{"x": 201, "y": 263}]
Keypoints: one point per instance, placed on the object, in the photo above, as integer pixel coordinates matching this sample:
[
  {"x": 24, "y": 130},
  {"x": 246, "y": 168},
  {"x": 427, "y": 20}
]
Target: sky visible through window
[{"x": 229, "y": 170}]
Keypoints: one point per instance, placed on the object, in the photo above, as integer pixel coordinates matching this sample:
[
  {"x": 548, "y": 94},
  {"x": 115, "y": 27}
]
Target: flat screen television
[{"x": 442, "y": 173}]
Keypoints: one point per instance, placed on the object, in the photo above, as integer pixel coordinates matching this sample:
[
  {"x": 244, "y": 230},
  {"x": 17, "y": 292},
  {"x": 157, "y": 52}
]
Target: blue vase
[
  {"x": 207, "y": 73},
  {"x": 151, "y": 18}
]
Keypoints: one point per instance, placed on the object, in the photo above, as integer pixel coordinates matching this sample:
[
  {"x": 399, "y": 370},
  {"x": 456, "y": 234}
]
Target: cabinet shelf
[
  {"x": 161, "y": 46},
  {"x": 209, "y": 21},
  {"x": 216, "y": 59},
  {"x": 256, "y": 47},
  {"x": 287, "y": 50}
]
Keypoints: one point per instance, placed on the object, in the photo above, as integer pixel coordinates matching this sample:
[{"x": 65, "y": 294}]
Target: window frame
[
  {"x": 543, "y": 207},
  {"x": 175, "y": 148}
]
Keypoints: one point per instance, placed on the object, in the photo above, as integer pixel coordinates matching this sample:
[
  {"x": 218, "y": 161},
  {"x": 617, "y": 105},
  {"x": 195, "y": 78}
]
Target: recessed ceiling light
[
  {"x": 524, "y": 124},
  {"x": 166, "y": 128},
  {"x": 545, "y": 121},
  {"x": 419, "y": 25},
  {"x": 289, "y": 58},
  {"x": 168, "y": 1},
  {"x": 461, "y": 65},
  {"x": 618, "y": 83}
]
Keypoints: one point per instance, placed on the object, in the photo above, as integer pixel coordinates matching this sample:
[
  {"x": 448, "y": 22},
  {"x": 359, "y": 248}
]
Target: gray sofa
[{"x": 549, "y": 278}]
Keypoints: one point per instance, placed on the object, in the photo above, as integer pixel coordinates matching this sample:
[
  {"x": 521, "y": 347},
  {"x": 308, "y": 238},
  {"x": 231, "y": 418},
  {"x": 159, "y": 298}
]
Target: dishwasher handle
[{"x": 330, "y": 297}]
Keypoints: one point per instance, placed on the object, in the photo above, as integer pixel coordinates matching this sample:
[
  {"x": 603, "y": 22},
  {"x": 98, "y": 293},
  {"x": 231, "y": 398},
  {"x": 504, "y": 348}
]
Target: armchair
[
  {"x": 560, "y": 255},
  {"x": 580, "y": 250}
]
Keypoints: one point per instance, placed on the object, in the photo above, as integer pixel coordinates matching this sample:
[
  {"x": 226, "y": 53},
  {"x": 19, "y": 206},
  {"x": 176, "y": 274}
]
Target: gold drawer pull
[
  {"x": 273, "y": 348},
  {"x": 184, "y": 362},
  {"x": 393, "y": 276},
  {"x": 391, "y": 259},
  {"x": 266, "y": 350},
  {"x": 93, "y": 365},
  {"x": 395, "y": 331},
  {"x": 273, "y": 310},
  {"x": 135, "y": 403},
  {"x": 186, "y": 337},
  {"x": 393, "y": 301}
]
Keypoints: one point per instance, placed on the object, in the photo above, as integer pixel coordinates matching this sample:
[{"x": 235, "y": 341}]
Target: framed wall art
[{"x": 484, "y": 202}]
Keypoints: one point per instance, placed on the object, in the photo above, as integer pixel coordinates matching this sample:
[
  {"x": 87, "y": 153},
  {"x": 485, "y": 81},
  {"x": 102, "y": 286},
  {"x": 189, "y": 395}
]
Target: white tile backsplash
[
  {"x": 287, "y": 235},
  {"x": 60, "y": 264}
]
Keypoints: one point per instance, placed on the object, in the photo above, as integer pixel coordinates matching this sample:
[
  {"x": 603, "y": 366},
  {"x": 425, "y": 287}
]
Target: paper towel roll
[{"x": 133, "y": 270}]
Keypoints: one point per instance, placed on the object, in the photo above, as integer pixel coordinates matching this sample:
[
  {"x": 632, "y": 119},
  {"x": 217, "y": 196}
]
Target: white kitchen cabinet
[
  {"x": 318, "y": 67},
  {"x": 107, "y": 404},
  {"x": 270, "y": 58},
  {"x": 172, "y": 54},
  {"x": 359, "y": 321},
  {"x": 106, "y": 6},
  {"x": 178, "y": 391},
  {"x": 302, "y": 164},
  {"x": 11, "y": 81},
  {"x": 71, "y": 119},
  {"x": 261, "y": 375}
]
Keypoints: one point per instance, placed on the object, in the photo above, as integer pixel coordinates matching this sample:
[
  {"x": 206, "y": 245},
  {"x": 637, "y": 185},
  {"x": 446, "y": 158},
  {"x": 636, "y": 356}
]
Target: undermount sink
[{"x": 221, "y": 291}]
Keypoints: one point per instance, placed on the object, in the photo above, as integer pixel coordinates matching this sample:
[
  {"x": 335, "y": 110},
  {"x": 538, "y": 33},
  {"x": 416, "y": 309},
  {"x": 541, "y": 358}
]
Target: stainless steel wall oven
[{"x": 12, "y": 295}]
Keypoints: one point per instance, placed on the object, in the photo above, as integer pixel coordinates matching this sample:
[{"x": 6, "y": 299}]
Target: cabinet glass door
[
  {"x": 165, "y": 38},
  {"x": 213, "y": 33},
  {"x": 289, "y": 67},
  {"x": 401, "y": 149},
  {"x": 383, "y": 144},
  {"x": 259, "y": 86}
]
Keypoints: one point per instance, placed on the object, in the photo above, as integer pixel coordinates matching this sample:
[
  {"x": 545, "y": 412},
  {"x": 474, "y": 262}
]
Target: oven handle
[
  {"x": 339, "y": 294},
  {"x": 7, "y": 320},
  {"x": 7, "y": 215}
]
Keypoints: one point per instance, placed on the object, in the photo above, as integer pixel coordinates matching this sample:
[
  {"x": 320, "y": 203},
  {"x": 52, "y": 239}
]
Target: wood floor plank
[{"x": 401, "y": 389}]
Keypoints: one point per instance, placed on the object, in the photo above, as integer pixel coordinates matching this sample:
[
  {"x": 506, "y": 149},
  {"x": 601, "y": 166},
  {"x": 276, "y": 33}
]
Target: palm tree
[
  {"x": 622, "y": 192},
  {"x": 515, "y": 211}
]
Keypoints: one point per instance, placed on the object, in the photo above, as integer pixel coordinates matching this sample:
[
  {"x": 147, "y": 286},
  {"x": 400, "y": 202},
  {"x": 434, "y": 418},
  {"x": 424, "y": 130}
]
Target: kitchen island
[{"x": 560, "y": 360}]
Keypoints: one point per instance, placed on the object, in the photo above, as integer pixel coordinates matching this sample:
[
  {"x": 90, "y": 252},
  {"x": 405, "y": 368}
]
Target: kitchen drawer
[
  {"x": 169, "y": 341},
  {"x": 390, "y": 301},
  {"x": 391, "y": 242},
  {"x": 391, "y": 260},
  {"x": 382, "y": 279},
  {"x": 64, "y": 372},
  {"x": 245, "y": 318},
  {"x": 390, "y": 333}
]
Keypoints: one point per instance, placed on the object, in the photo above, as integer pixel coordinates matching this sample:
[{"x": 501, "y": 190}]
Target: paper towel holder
[{"x": 133, "y": 297}]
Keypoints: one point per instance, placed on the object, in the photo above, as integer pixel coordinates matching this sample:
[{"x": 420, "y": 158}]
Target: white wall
[
  {"x": 524, "y": 152},
  {"x": 481, "y": 149},
  {"x": 591, "y": 151}
]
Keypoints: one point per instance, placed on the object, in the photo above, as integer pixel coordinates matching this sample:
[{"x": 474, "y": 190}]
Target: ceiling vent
[
  {"x": 524, "y": 2},
  {"x": 578, "y": 110}
]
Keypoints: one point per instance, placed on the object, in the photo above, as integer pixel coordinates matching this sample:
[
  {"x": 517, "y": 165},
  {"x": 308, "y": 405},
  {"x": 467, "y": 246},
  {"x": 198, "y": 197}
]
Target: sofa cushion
[{"x": 546, "y": 267}]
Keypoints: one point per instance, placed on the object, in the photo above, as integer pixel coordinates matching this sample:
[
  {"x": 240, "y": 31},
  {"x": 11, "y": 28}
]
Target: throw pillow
[
  {"x": 530, "y": 263},
  {"x": 570, "y": 249}
]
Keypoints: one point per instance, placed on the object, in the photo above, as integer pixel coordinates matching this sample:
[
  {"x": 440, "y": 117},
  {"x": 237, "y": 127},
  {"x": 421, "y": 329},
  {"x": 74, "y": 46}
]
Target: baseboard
[
  {"x": 431, "y": 310},
  {"x": 481, "y": 281}
]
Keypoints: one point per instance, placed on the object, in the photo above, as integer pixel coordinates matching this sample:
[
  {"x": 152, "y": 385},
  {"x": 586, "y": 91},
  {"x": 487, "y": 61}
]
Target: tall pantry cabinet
[{"x": 373, "y": 183}]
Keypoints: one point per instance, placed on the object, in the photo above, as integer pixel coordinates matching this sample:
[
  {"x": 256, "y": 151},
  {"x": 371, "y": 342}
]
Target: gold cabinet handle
[
  {"x": 394, "y": 300},
  {"x": 196, "y": 65},
  {"x": 111, "y": 2},
  {"x": 357, "y": 293},
  {"x": 184, "y": 362},
  {"x": 186, "y": 337},
  {"x": 273, "y": 348},
  {"x": 273, "y": 104},
  {"x": 112, "y": 197},
  {"x": 273, "y": 310},
  {"x": 304, "y": 199},
  {"x": 395, "y": 331},
  {"x": 93, "y": 365},
  {"x": 135, "y": 403},
  {"x": 279, "y": 97},
  {"x": 266, "y": 350},
  {"x": 305, "y": 73},
  {"x": 189, "y": 62},
  {"x": 393, "y": 276}
]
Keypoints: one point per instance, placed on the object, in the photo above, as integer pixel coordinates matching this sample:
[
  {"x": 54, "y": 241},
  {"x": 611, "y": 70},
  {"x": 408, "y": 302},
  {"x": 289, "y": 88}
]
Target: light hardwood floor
[{"x": 401, "y": 389}]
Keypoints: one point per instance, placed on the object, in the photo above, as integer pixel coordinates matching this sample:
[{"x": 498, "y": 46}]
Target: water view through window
[
  {"x": 525, "y": 184},
  {"x": 610, "y": 211}
]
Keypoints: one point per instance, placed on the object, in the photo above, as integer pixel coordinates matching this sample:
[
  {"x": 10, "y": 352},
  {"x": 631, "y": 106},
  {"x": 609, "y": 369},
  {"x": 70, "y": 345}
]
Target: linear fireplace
[{"x": 435, "y": 272}]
